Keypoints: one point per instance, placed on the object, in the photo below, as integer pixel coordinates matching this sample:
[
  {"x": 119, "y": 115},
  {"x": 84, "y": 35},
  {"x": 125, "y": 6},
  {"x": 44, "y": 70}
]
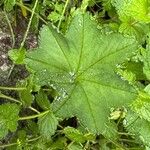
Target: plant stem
[
  {"x": 117, "y": 145},
  {"x": 19, "y": 4},
  {"x": 11, "y": 88},
  {"x": 29, "y": 24},
  {"x": 64, "y": 10},
  {"x": 9, "y": 98},
  {"x": 126, "y": 140},
  {"x": 12, "y": 144},
  {"x": 34, "y": 116},
  {"x": 70, "y": 144},
  {"x": 11, "y": 29},
  {"x": 124, "y": 133},
  {"x": 8, "y": 145},
  {"x": 33, "y": 109},
  {"x": 34, "y": 139},
  {"x": 13, "y": 40}
]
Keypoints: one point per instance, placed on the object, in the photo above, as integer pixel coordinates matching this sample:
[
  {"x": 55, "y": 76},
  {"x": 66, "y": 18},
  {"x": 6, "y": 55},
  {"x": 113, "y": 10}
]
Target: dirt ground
[{"x": 9, "y": 73}]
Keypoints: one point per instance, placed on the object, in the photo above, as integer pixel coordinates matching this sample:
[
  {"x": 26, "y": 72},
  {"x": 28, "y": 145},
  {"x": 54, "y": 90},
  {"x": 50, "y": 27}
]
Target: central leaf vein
[{"x": 90, "y": 108}]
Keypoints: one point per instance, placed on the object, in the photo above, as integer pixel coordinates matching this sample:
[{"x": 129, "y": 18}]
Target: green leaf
[
  {"x": 81, "y": 67},
  {"x": 138, "y": 127},
  {"x": 142, "y": 105},
  {"x": 136, "y": 9},
  {"x": 54, "y": 16},
  {"x": 77, "y": 136},
  {"x": 107, "y": 4},
  {"x": 75, "y": 146},
  {"x": 60, "y": 143},
  {"x": 8, "y": 118},
  {"x": 47, "y": 124},
  {"x": 146, "y": 60},
  {"x": 134, "y": 29},
  {"x": 33, "y": 127},
  {"x": 9, "y": 4},
  {"x": 136, "y": 68},
  {"x": 17, "y": 56},
  {"x": 74, "y": 134},
  {"x": 42, "y": 100},
  {"x": 25, "y": 95}
]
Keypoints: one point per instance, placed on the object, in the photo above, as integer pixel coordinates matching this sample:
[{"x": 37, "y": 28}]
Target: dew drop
[
  {"x": 80, "y": 22},
  {"x": 123, "y": 78},
  {"x": 124, "y": 122},
  {"x": 64, "y": 95},
  {"x": 72, "y": 77},
  {"x": 142, "y": 138},
  {"x": 118, "y": 66},
  {"x": 58, "y": 98},
  {"x": 37, "y": 79},
  {"x": 54, "y": 87},
  {"x": 71, "y": 74}
]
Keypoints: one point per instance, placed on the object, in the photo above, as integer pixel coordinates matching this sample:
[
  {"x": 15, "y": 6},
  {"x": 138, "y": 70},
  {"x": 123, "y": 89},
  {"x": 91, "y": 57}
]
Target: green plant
[{"x": 88, "y": 86}]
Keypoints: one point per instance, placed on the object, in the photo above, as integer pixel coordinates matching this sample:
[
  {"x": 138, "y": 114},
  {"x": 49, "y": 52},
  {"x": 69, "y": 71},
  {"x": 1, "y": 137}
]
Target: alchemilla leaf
[
  {"x": 81, "y": 67},
  {"x": 8, "y": 118}
]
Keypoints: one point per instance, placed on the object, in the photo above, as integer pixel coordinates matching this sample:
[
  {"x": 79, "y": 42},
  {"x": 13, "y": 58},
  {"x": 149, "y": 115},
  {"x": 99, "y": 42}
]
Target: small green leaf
[
  {"x": 60, "y": 143},
  {"x": 22, "y": 140},
  {"x": 75, "y": 146},
  {"x": 142, "y": 105},
  {"x": 136, "y": 68},
  {"x": 90, "y": 136},
  {"x": 136, "y": 9},
  {"x": 54, "y": 16},
  {"x": 134, "y": 29},
  {"x": 74, "y": 135},
  {"x": 32, "y": 126},
  {"x": 9, "y": 4},
  {"x": 47, "y": 124},
  {"x": 138, "y": 127},
  {"x": 17, "y": 56},
  {"x": 26, "y": 95},
  {"x": 59, "y": 7},
  {"x": 8, "y": 118},
  {"x": 42, "y": 100}
]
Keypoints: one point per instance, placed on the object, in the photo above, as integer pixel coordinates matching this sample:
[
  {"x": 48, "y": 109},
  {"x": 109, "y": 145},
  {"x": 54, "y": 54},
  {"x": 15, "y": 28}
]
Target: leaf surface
[
  {"x": 146, "y": 60},
  {"x": 81, "y": 66},
  {"x": 136, "y": 9},
  {"x": 8, "y": 4},
  {"x": 8, "y": 118},
  {"x": 138, "y": 127},
  {"x": 47, "y": 124}
]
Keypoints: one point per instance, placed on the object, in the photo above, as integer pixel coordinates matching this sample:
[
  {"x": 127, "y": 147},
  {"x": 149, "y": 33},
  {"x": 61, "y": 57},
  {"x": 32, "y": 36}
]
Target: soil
[{"x": 9, "y": 75}]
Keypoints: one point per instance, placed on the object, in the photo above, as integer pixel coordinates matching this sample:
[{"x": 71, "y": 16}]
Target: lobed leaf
[{"x": 81, "y": 66}]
